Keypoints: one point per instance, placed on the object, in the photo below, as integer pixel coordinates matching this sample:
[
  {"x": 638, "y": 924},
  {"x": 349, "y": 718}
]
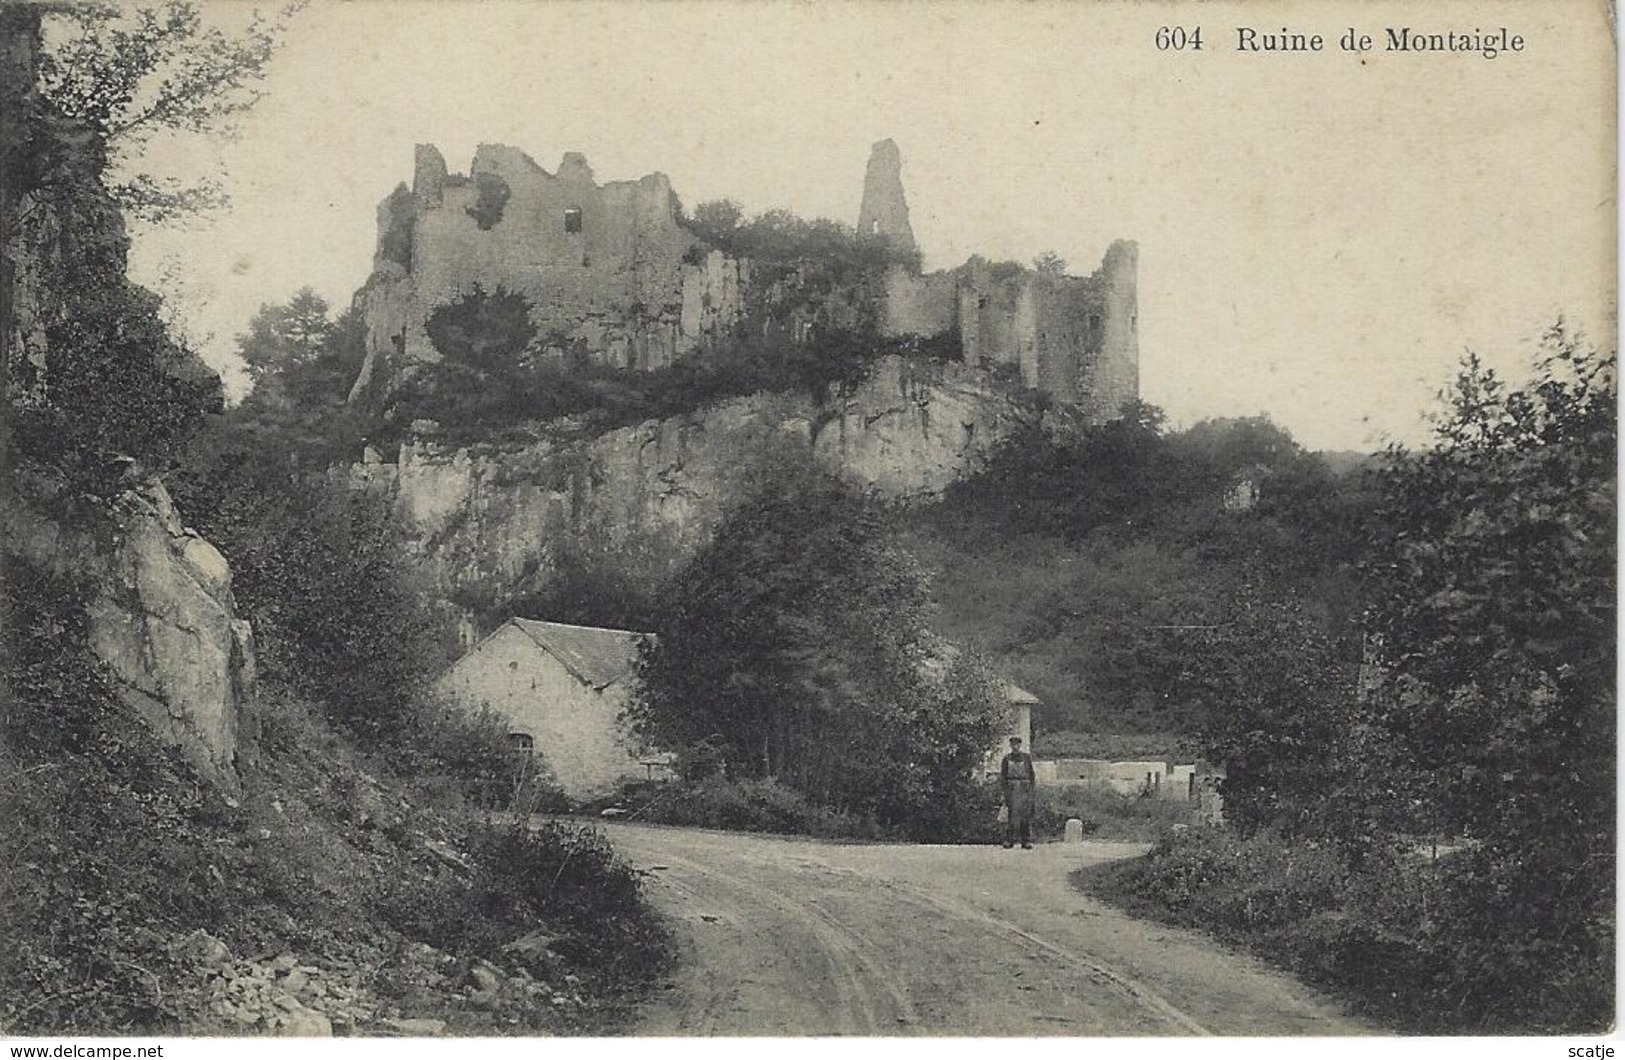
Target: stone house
[{"x": 561, "y": 689}]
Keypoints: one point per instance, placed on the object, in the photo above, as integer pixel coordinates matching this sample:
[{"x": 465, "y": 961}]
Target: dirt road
[{"x": 791, "y": 937}]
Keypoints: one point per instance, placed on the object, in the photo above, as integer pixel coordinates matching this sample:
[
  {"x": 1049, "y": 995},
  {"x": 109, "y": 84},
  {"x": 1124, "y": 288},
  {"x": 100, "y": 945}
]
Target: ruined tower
[{"x": 885, "y": 211}]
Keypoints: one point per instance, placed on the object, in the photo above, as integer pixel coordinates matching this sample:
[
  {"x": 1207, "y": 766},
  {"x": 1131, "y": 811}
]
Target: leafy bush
[
  {"x": 779, "y": 237},
  {"x": 1431, "y": 947},
  {"x": 317, "y": 568},
  {"x": 491, "y": 379},
  {"x": 559, "y": 878},
  {"x": 451, "y": 753}
]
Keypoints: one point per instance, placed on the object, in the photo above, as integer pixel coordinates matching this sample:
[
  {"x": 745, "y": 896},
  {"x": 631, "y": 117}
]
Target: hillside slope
[{"x": 1102, "y": 573}]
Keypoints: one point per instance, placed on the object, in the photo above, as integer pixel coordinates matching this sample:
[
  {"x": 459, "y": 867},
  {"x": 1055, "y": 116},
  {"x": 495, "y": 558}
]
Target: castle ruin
[{"x": 613, "y": 270}]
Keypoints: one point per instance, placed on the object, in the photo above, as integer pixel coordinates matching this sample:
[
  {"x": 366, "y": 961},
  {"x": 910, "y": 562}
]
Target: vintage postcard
[{"x": 945, "y": 519}]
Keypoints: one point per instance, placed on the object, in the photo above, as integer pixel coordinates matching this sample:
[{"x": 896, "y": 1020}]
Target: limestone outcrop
[
  {"x": 492, "y": 524},
  {"x": 160, "y": 616}
]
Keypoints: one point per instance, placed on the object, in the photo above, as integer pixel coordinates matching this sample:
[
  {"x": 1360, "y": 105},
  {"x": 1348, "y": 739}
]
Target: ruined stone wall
[
  {"x": 996, "y": 316},
  {"x": 924, "y": 306},
  {"x": 1068, "y": 324},
  {"x": 713, "y": 300},
  {"x": 606, "y": 267},
  {"x": 614, "y": 283},
  {"x": 1114, "y": 377},
  {"x": 884, "y": 210},
  {"x": 1075, "y": 338}
]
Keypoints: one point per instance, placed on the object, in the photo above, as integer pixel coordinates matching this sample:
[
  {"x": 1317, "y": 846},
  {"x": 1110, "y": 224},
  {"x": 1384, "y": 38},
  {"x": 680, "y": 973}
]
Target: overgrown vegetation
[
  {"x": 322, "y": 856},
  {"x": 779, "y": 238},
  {"x": 125, "y": 74},
  {"x": 139, "y": 897},
  {"x": 808, "y": 326},
  {"x": 1104, "y": 571},
  {"x": 496, "y": 374},
  {"x": 1486, "y": 717}
]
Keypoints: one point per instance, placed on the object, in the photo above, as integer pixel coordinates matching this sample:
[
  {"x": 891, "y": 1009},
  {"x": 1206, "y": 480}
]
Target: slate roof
[
  {"x": 597, "y": 657},
  {"x": 1016, "y": 694}
]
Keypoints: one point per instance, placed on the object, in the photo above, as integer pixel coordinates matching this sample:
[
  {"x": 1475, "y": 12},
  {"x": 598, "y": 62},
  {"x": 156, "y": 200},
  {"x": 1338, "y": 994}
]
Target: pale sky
[{"x": 1321, "y": 235}]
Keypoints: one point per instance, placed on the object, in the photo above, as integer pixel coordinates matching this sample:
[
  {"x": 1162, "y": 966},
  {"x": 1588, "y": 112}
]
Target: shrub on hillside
[
  {"x": 449, "y": 753},
  {"x": 796, "y": 643},
  {"x": 1427, "y": 945},
  {"x": 560, "y": 879},
  {"x": 105, "y": 854}
]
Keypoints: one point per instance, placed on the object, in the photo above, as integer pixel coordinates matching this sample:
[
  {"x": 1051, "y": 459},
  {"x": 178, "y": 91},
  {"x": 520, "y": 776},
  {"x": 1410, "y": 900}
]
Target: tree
[
  {"x": 1493, "y": 594},
  {"x": 486, "y": 330},
  {"x": 317, "y": 568},
  {"x": 126, "y": 74},
  {"x": 1280, "y": 694},
  {"x": 285, "y": 338},
  {"x": 1050, "y": 263},
  {"x": 95, "y": 377},
  {"x": 796, "y": 645},
  {"x": 717, "y": 222}
]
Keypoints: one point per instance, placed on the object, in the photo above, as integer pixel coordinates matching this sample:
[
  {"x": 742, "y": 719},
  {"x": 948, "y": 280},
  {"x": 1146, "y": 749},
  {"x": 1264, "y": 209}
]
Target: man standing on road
[{"x": 1018, "y": 779}]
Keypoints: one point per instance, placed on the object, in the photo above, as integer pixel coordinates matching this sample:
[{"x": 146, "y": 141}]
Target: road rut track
[
  {"x": 855, "y": 977},
  {"x": 798, "y": 937}
]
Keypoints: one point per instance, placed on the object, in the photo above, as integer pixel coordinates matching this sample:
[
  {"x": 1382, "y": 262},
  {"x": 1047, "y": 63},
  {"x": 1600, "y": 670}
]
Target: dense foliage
[
  {"x": 496, "y": 374},
  {"x": 111, "y": 382},
  {"x": 128, "y": 73},
  {"x": 1485, "y": 716},
  {"x": 138, "y": 896},
  {"x": 1120, "y": 574},
  {"x": 1494, "y": 591},
  {"x": 780, "y": 238},
  {"x": 796, "y": 645}
]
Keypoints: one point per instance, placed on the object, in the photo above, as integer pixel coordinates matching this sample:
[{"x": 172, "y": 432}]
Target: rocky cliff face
[
  {"x": 490, "y": 524},
  {"x": 161, "y": 615},
  {"x": 157, "y": 597}
]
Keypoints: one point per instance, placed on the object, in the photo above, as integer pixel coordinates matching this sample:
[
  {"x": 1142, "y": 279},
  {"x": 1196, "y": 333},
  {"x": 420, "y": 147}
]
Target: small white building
[
  {"x": 1019, "y": 722},
  {"x": 1171, "y": 781},
  {"x": 561, "y": 689}
]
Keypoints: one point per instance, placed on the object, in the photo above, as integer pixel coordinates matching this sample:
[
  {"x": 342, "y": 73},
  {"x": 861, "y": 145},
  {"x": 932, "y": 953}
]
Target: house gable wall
[{"x": 576, "y": 729}]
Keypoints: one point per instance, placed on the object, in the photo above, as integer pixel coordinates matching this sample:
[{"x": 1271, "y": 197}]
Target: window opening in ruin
[
  {"x": 1094, "y": 321},
  {"x": 874, "y": 226},
  {"x": 522, "y": 742},
  {"x": 572, "y": 219}
]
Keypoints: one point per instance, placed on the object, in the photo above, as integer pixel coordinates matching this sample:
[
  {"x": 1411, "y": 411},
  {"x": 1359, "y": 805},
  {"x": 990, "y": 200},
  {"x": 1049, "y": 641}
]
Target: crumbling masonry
[{"x": 610, "y": 269}]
